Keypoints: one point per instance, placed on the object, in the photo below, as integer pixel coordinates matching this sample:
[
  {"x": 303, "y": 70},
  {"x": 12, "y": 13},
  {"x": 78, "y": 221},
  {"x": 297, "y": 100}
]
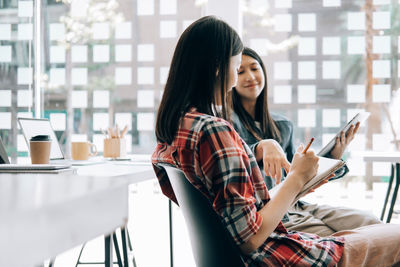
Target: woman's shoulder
[
  {"x": 280, "y": 119},
  {"x": 277, "y": 117},
  {"x": 236, "y": 121},
  {"x": 284, "y": 125},
  {"x": 195, "y": 126},
  {"x": 234, "y": 117},
  {"x": 206, "y": 122}
]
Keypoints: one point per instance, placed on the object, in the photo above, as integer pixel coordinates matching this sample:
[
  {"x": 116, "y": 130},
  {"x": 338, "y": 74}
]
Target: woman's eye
[{"x": 240, "y": 72}]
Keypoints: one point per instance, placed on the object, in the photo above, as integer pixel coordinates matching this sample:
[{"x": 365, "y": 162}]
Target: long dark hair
[
  {"x": 201, "y": 57},
  {"x": 269, "y": 130}
]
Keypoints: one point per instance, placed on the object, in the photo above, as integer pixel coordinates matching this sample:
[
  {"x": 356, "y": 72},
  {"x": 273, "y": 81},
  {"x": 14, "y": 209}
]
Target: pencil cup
[{"x": 114, "y": 147}]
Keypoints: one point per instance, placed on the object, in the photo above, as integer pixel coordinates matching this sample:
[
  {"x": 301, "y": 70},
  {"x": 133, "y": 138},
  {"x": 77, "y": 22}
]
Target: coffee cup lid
[{"x": 40, "y": 138}]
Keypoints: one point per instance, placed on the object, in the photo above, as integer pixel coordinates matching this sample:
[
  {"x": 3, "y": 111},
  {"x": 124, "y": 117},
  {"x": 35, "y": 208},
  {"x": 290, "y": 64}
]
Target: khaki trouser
[
  {"x": 371, "y": 246},
  {"x": 368, "y": 242},
  {"x": 325, "y": 220}
]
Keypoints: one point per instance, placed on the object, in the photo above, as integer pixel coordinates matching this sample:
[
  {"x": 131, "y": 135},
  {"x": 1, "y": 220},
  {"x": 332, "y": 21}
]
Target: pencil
[
  {"x": 116, "y": 130},
  {"x": 308, "y": 146},
  {"x": 104, "y": 133},
  {"x": 111, "y": 132},
  {"x": 123, "y": 132}
]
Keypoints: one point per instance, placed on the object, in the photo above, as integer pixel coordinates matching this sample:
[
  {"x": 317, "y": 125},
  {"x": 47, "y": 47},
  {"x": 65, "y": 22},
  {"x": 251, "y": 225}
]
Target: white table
[
  {"x": 394, "y": 158},
  {"x": 42, "y": 215}
]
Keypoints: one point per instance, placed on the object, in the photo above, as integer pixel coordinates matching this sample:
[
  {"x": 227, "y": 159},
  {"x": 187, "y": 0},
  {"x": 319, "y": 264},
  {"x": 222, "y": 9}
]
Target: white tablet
[{"x": 359, "y": 117}]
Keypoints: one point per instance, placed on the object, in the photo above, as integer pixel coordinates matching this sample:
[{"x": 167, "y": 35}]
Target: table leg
[
  {"x": 388, "y": 192},
  {"x": 117, "y": 252},
  {"x": 130, "y": 247},
  {"x": 108, "y": 251},
  {"x": 394, "y": 196},
  {"x": 171, "y": 247},
  {"x": 124, "y": 246}
]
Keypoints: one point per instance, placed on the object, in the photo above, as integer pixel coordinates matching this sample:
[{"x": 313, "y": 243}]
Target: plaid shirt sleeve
[{"x": 226, "y": 168}]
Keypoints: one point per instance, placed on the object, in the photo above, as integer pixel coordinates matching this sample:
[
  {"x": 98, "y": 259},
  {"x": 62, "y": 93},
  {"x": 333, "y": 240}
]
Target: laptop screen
[
  {"x": 3, "y": 154},
  {"x": 32, "y": 127}
]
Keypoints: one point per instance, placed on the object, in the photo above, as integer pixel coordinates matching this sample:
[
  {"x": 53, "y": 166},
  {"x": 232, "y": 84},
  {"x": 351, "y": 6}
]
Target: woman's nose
[{"x": 250, "y": 76}]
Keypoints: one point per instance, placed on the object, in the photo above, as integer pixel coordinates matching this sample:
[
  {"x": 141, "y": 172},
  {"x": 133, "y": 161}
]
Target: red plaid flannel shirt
[{"x": 219, "y": 164}]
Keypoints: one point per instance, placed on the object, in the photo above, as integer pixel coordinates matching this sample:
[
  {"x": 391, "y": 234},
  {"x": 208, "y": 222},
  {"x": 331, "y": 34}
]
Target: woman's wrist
[
  {"x": 260, "y": 150},
  {"x": 294, "y": 180},
  {"x": 334, "y": 155}
]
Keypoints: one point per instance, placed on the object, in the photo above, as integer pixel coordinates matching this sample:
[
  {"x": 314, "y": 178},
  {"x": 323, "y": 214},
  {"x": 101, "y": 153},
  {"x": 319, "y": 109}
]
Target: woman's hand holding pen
[
  {"x": 304, "y": 165},
  {"x": 274, "y": 159},
  {"x": 313, "y": 168},
  {"x": 343, "y": 140}
]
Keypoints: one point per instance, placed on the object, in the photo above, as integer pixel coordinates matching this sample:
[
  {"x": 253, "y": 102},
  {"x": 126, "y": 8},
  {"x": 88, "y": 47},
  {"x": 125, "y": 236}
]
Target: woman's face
[
  {"x": 234, "y": 64},
  {"x": 251, "y": 79}
]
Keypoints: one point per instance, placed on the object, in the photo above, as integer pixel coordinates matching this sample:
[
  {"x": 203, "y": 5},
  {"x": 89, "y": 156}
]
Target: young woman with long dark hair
[
  {"x": 270, "y": 136},
  {"x": 193, "y": 137}
]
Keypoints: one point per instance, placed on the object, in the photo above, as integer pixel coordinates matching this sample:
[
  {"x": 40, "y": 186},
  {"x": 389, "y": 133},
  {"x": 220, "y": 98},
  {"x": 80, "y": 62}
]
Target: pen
[{"x": 308, "y": 146}]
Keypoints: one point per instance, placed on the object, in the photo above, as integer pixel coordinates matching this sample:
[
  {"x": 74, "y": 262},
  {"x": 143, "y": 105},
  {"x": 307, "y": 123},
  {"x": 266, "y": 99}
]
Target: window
[
  {"x": 321, "y": 81},
  {"x": 100, "y": 70},
  {"x": 17, "y": 72}
]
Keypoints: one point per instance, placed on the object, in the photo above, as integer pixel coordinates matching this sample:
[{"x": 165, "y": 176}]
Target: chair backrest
[{"x": 212, "y": 244}]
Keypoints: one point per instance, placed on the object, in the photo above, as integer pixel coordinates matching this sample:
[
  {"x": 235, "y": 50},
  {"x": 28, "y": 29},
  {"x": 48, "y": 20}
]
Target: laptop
[
  {"x": 5, "y": 165},
  {"x": 32, "y": 127},
  {"x": 3, "y": 154}
]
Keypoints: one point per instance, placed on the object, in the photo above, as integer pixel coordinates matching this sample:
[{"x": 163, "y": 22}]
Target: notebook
[
  {"x": 32, "y": 127},
  {"x": 326, "y": 167}
]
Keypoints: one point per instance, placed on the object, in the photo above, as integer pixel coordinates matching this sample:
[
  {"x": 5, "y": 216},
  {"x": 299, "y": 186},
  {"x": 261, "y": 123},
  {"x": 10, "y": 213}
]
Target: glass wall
[
  {"x": 103, "y": 63},
  {"x": 106, "y": 62},
  {"x": 326, "y": 60},
  {"x": 16, "y": 71}
]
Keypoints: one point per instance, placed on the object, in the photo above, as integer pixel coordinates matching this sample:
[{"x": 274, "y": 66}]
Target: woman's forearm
[{"x": 273, "y": 212}]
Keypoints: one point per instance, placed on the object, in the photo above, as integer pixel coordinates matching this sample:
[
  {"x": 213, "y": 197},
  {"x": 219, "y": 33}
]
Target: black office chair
[{"x": 212, "y": 244}]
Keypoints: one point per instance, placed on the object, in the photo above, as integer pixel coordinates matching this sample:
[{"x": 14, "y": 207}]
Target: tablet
[{"x": 359, "y": 117}]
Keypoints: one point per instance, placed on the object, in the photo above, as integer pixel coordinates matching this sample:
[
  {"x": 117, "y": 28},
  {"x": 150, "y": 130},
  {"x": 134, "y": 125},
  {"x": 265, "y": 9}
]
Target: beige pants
[
  {"x": 368, "y": 242},
  {"x": 371, "y": 246},
  {"x": 325, "y": 220}
]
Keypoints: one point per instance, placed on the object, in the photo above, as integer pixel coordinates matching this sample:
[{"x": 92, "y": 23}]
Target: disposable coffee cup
[{"x": 39, "y": 147}]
